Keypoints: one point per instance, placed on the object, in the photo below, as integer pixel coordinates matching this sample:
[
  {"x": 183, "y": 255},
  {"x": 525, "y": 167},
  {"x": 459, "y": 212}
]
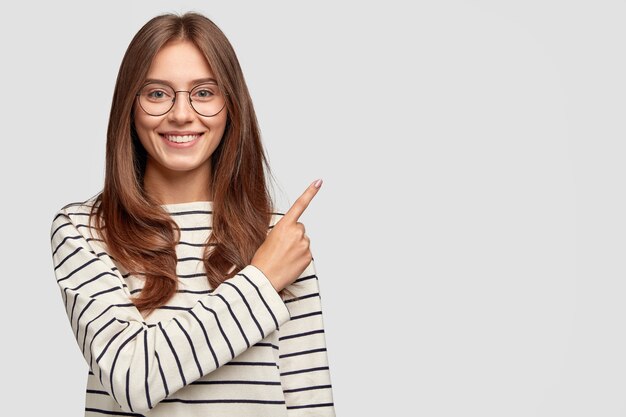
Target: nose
[{"x": 181, "y": 111}]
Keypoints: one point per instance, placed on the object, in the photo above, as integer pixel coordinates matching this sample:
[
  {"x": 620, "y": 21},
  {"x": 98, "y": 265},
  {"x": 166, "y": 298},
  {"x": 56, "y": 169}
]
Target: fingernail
[{"x": 317, "y": 183}]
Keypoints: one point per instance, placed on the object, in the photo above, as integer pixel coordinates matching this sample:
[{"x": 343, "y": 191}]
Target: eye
[
  {"x": 205, "y": 92},
  {"x": 157, "y": 94}
]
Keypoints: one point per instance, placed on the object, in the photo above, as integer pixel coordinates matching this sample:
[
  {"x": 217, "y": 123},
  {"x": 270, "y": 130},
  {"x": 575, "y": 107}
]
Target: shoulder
[
  {"x": 75, "y": 214},
  {"x": 75, "y": 209}
]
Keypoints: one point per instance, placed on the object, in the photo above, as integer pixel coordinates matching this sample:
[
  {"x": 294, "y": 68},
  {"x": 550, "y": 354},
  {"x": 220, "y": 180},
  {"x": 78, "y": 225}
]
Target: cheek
[
  {"x": 220, "y": 122},
  {"x": 144, "y": 126}
]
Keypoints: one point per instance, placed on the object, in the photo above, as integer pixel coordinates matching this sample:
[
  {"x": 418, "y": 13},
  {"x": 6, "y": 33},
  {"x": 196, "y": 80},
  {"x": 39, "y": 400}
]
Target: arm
[
  {"x": 303, "y": 358},
  {"x": 140, "y": 364}
]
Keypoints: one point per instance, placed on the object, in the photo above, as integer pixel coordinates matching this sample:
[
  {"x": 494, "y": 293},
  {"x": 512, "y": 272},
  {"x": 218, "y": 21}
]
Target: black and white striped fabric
[{"x": 236, "y": 350}]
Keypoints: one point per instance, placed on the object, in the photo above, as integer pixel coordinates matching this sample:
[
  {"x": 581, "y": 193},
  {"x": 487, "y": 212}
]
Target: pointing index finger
[{"x": 298, "y": 207}]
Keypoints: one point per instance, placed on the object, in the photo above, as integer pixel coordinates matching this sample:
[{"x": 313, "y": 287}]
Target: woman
[{"x": 187, "y": 294}]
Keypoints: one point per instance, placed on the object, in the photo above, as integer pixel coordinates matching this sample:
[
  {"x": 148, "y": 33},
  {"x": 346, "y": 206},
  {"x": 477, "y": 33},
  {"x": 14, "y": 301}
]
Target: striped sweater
[{"x": 236, "y": 350}]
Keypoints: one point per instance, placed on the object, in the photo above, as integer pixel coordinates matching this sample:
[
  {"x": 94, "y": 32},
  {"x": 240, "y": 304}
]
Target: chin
[{"x": 181, "y": 167}]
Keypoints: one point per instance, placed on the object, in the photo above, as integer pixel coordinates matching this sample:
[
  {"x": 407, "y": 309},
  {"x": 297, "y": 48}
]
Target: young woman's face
[{"x": 179, "y": 63}]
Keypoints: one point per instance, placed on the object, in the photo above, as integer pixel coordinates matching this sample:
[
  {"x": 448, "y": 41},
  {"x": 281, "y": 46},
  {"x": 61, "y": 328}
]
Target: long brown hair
[{"x": 140, "y": 235}]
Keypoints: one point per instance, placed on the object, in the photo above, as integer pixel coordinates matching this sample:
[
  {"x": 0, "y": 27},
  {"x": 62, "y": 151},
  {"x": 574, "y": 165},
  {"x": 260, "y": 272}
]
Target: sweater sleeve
[
  {"x": 303, "y": 359},
  {"x": 140, "y": 364}
]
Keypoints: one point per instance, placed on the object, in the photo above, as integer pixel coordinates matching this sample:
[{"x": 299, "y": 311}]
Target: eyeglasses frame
[{"x": 174, "y": 100}]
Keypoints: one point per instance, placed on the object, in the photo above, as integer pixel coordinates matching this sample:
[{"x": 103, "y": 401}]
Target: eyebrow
[{"x": 199, "y": 80}]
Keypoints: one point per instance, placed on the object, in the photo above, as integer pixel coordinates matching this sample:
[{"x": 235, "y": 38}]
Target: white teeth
[{"x": 181, "y": 139}]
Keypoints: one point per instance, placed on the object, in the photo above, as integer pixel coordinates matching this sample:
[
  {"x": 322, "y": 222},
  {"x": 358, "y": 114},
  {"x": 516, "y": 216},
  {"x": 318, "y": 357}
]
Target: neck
[{"x": 171, "y": 187}]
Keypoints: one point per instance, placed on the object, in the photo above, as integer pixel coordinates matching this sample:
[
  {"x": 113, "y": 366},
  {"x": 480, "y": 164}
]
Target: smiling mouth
[{"x": 181, "y": 138}]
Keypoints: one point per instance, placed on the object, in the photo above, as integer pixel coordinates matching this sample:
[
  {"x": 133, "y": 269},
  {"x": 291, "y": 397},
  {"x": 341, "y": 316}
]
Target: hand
[{"x": 285, "y": 253}]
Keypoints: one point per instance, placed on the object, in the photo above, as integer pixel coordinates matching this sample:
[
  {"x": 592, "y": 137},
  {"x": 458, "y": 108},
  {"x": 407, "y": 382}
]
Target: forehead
[{"x": 180, "y": 63}]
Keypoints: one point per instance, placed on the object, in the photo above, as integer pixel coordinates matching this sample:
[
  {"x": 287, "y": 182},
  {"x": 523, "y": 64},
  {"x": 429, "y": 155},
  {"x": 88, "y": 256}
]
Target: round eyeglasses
[{"x": 156, "y": 99}]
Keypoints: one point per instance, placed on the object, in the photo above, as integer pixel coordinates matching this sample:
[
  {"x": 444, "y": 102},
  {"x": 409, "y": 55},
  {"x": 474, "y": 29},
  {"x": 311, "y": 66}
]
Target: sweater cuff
[{"x": 268, "y": 293}]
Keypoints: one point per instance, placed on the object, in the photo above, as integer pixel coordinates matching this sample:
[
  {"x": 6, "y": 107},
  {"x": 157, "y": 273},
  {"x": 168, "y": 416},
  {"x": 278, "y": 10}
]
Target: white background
[{"x": 470, "y": 233}]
